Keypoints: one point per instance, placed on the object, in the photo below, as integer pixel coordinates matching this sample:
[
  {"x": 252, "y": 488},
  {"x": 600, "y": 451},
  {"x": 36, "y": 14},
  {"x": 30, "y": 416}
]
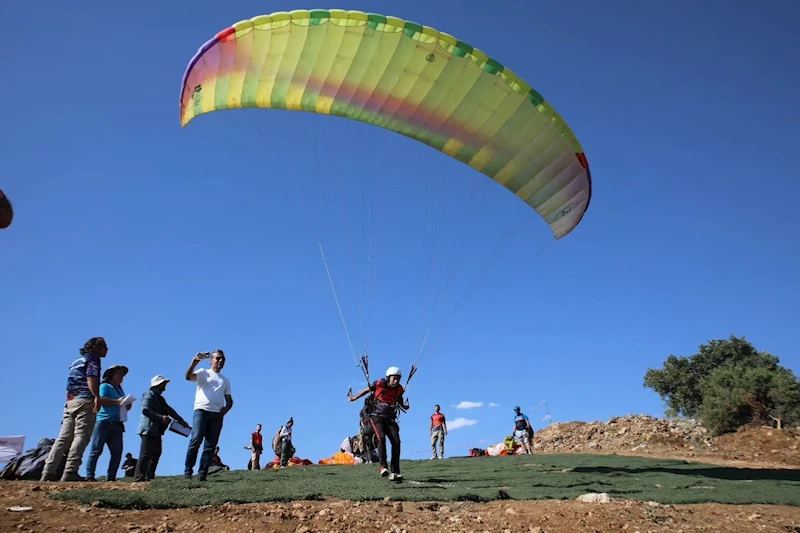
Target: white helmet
[{"x": 393, "y": 371}]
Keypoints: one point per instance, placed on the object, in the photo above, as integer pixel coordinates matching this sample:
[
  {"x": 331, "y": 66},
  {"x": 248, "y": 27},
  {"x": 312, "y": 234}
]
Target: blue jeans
[
  {"x": 208, "y": 426},
  {"x": 105, "y": 433}
]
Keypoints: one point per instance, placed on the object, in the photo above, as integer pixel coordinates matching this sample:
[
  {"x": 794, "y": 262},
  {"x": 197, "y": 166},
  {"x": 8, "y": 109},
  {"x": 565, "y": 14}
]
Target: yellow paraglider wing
[{"x": 404, "y": 77}]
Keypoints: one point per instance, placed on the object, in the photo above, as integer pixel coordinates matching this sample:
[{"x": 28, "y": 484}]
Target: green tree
[{"x": 728, "y": 383}]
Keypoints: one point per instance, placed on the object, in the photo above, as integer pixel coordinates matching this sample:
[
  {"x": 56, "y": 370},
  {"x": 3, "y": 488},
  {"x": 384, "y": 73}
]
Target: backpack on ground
[
  {"x": 277, "y": 441},
  {"x": 30, "y": 465}
]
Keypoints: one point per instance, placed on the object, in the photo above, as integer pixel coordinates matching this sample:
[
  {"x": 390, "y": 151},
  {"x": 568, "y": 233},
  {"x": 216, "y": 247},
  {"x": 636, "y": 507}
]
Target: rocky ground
[
  {"x": 634, "y": 435},
  {"x": 681, "y": 439}
]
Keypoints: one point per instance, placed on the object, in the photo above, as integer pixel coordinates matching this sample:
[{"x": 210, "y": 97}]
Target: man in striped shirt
[{"x": 77, "y": 424}]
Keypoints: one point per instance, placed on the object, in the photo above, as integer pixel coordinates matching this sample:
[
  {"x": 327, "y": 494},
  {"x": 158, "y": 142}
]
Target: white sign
[{"x": 11, "y": 448}]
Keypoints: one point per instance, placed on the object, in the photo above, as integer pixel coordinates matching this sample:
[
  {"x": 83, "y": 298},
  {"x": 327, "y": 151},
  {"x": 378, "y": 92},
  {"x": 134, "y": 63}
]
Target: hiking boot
[
  {"x": 188, "y": 476},
  {"x": 90, "y": 480},
  {"x": 202, "y": 477},
  {"x": 71, "y": 477},
  {"x": 384, "y": 472}
]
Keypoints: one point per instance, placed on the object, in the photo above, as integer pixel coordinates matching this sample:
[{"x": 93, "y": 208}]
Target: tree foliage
[{"x": 728, "y": 384}]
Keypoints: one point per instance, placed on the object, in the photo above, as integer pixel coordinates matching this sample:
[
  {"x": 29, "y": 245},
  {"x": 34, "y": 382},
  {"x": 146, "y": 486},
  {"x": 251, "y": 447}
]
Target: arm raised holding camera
[{"x": 190, "y": 376}]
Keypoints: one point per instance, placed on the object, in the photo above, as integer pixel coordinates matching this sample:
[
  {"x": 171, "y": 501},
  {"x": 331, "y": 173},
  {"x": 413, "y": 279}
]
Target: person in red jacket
[
  {"x": 438, "y": 431},
  {"x": 388, "y": 394},
  {"x": 256, "y": 447}
]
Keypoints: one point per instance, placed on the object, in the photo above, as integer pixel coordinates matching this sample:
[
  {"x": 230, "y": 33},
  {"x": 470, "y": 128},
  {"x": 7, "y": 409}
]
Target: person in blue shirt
[
  {"x": 108, "y": 428},
  {"x": 522, "y": 429}
]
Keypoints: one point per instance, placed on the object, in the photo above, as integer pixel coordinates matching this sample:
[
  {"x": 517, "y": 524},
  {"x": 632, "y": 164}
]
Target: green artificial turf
[{"x": 531, "y": 477}]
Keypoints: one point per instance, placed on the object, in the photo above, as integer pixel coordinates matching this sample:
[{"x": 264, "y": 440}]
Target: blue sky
[{"x": 167, "y": 241}]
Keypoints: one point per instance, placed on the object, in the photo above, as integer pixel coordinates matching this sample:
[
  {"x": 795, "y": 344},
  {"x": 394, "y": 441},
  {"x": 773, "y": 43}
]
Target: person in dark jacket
[{"x": 155, "y": 420}]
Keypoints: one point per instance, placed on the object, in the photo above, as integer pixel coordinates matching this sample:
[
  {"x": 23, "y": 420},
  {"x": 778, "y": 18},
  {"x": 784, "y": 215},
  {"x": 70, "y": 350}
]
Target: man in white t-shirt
[{"x": 212, "y": 401}]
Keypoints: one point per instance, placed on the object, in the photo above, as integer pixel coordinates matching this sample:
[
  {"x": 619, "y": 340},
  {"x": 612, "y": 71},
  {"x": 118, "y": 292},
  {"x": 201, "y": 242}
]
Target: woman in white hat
[{"x": 155, "y": 420}]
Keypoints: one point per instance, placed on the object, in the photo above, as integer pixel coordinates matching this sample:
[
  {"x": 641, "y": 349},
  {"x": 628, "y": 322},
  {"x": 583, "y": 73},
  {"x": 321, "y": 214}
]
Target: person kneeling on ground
[{"x": 216, "y": 463}]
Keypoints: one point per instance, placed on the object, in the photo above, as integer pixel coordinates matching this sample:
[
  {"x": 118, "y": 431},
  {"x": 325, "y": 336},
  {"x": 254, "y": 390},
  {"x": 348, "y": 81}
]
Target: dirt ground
[
  {"x": 753, "y": 448},
  {"x": 333, "y": 516}
]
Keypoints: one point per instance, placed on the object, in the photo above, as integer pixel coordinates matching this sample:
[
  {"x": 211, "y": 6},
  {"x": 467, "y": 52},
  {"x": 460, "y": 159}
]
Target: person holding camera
[{"x": 212, "y": 401}]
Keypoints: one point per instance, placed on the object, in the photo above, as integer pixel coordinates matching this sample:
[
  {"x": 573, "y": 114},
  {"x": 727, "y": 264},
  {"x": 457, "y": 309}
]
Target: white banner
[{"x": 11, "y": 448}]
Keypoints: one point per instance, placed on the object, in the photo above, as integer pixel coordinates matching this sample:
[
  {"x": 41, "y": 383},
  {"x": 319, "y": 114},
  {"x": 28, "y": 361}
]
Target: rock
[
  {"x": 600, "y": 497},
  {"x": 510, "y": 510},
  {"x": 623, "y": 433},
  {"x": 754, "y": 516},
  {"x": 398, "y": 506}
]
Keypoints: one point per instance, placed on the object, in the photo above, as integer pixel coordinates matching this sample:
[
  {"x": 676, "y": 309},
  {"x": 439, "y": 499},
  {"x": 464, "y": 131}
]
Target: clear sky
[{"x": 167, "y": 241}]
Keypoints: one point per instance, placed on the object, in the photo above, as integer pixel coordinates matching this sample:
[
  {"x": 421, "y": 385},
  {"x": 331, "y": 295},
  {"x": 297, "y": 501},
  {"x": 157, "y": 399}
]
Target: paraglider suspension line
[{"x": 338, "y": 306}]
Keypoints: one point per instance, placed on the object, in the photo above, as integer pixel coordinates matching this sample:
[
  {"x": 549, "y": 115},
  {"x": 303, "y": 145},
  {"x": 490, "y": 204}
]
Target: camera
[{"x": 204, "y": 355}]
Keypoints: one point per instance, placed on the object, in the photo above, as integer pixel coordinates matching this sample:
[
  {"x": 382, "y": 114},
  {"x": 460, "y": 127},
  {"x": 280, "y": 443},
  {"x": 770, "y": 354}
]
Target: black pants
[
  {"x": 386, "y": 427},
  {"x": 149, "y": 454}
]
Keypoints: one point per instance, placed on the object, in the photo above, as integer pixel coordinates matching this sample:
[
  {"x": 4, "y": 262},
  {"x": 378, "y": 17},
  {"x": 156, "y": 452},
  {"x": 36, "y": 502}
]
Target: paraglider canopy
[
  {"x": 404, "y": 77},
  {"x": 6, "y": 211}
]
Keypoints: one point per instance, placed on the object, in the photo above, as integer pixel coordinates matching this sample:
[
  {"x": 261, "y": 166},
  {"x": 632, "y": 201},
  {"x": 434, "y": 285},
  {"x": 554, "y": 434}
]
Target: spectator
[
  {"x": 154, "y": 422},
  {"x": 109, "y": 429},
  {"x": 83, "y": 402},
  {"x": 212, "y": 402},
  {"x": 129, "y": 466}
]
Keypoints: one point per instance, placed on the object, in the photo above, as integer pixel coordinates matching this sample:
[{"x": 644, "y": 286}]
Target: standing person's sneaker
[
  {"x": 396, "y": 477},
  {"x": 71, "y": 477},
  {"x": 384, "y": 472},
  {"x": 201, "y": 478},
  {"x": 187, "y": 476}
]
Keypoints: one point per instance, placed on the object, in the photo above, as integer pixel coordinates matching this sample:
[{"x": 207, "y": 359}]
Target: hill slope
[{"x": 685, "y": 439}]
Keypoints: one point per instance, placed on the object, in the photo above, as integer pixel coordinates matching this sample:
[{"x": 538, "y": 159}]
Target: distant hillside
[{"x": 645, "y": 435}]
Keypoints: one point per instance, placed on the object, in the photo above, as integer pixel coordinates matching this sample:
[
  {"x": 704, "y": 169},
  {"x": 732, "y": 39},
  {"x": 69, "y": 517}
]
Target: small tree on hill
[{"x": 728, "y": 384}]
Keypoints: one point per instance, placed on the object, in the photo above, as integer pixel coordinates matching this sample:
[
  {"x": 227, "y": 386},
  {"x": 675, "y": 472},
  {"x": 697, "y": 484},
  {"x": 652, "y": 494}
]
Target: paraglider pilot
[{"x": 388, "y": 395}]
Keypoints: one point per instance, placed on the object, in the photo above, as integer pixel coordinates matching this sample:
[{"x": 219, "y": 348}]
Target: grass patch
[{"x": 470, "y": 479}]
